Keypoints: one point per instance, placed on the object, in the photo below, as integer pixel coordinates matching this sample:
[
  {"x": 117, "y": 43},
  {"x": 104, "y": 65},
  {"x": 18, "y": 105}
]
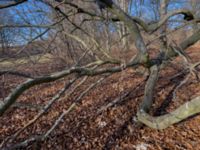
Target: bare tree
[
  {"x": 7, "y": 35},
  {"x": 71, "y": 20}
]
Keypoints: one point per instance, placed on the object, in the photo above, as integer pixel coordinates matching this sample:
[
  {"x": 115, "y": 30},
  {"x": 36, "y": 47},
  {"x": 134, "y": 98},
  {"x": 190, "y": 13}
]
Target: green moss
[{"x": 144, "y": 59}]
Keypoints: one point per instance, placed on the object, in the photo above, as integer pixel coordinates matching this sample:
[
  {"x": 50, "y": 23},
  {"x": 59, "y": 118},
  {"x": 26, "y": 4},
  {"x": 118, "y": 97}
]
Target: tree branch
[
  {"x": 149, "y": 89},
  {"x": 12, "y": 3},
  {"x": 184, "y": 111},
  {"x": 11, "y": 98}
]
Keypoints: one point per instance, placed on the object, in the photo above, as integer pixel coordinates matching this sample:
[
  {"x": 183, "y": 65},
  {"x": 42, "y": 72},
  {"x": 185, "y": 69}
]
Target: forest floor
[{"x": 114, "y": 128}]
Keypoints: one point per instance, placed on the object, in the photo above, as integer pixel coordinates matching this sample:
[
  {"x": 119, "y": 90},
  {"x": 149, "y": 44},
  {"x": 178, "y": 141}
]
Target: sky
[
  {"x": 35, "y": 12},
  {"x": 31, "y": 12}
]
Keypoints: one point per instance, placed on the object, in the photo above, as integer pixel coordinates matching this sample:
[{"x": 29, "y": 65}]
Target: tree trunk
[
  {"x": 184, "y": 111},
  {"x": 122, "y": 28},
  {"x": 163, "y": 39}
]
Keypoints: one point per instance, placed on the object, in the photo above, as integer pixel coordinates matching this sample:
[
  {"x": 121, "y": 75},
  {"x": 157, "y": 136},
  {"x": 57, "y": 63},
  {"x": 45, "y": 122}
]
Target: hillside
[{"x": 96, "y": 122}]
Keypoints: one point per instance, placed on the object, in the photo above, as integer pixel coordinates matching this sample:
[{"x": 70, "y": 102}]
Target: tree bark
[{"x": 186, "y": 110}]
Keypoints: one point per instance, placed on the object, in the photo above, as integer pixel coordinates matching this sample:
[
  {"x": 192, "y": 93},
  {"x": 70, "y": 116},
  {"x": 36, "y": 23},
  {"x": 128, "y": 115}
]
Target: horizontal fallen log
[{"x": 181, "y": 113}]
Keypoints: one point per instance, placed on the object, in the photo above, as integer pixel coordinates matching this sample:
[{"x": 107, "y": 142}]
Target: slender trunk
[
  {"x": 163, "y": 12},
  {"x": 122, "y": 28},
  {"x": 195, "y": 9}
]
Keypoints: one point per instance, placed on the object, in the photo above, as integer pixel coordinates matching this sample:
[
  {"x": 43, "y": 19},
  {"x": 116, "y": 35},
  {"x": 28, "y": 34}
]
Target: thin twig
[
  {"x": 72, "y": 106},
  {"x": 74, "y": 88},
  {"x": 46, "y": 108}
]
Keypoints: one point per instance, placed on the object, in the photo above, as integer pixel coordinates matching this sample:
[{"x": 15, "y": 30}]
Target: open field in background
[
  {"x": 14, "y": 62},
  {"x": 114, "y": 128},
  {"x": 100, "y": 75}
]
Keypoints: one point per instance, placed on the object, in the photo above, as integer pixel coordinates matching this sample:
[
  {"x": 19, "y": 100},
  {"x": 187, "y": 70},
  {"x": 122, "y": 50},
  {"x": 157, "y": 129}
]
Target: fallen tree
[{"x": 135, "y": 25}]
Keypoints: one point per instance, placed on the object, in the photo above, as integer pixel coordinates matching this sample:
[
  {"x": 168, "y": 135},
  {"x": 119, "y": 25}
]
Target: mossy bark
[{"x": 181, "y": 113}]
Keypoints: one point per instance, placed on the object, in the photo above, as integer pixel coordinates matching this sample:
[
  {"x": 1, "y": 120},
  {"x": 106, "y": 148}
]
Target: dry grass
[{"x": 14, "y": 62}]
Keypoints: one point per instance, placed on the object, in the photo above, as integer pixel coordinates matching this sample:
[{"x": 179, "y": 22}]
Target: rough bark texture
[
  {"x": 184, "y": 111},
  {"x": 149, "y": 89}
]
